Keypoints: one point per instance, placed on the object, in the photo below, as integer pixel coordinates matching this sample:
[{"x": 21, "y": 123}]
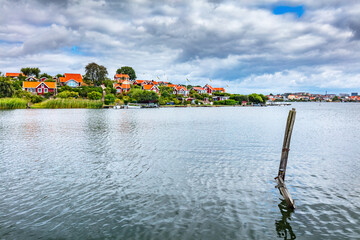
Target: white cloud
[{"x": 240, "y": 44}]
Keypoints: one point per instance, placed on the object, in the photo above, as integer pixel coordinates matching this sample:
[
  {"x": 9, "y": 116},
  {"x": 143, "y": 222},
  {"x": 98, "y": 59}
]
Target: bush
[
  {"x": 94, "y": 95},
  {"x": 12, "y": 103},
  {"x": 68, "y": 94},
  {"x": 69, "y": 103},
  {"x": 36, "y": 98},
  {"x": 109, "y": 99}
]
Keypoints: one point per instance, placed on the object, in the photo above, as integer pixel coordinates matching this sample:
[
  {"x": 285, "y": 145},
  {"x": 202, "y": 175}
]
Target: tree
[
  {"x": 144, "y": 96},
  {"x": 109, "y": 98},
  {"x": 46, "y": 75},
  {"x": 127, "y": 70},
  {"x": 31, "y": 72},
  {"x": 255, "y": 98},
  {"x": 95, "y": 73},
  {"x": 6, "y": 88},
  {"x": 94, "y": 95}
]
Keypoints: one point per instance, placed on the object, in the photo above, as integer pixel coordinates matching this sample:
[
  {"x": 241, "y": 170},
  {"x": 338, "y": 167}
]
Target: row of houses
[
  {"x": 122, "y": 84},
  {"x": 303, "y": 96}
]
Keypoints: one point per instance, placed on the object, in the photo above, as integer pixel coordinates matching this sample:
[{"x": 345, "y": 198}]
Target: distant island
[{"x": 30, "y": 89}]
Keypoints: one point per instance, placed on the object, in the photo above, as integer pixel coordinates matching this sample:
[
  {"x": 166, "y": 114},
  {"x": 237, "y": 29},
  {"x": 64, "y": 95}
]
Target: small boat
[{"x": 132, "y": 106}]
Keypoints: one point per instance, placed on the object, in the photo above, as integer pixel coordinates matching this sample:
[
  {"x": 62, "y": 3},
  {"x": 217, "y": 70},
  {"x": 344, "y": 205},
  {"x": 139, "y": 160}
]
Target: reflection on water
[
  {"x": 195, "y": 173},
  {"x": 283, "y": 227}
]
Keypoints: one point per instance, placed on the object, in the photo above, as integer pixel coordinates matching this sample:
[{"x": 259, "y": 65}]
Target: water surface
[{"x": 179, "y": 173}]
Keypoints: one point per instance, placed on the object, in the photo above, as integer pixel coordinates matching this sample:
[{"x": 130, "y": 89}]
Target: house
[
  {"x": 122, "y": 87},
  {"x": 71, "y": 80},
  {"x": 209, "y": 89},
  {"x": 14, "y": 75},
  {"x": 138, "y": 82},
  {"x": 149, "y": 87},
  {"x": 121, "y": 76},
  {"x": 199, "y": 90},
  {"x": 39, "y": 88},
  {"x": 220, "y": 90},
  {"x": 220, "y": 98},
  {"x": 31, "y": 79},
  {"x": 180, "y": 90}
]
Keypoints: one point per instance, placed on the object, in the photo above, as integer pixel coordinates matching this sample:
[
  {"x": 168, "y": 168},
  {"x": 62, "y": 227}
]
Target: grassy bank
[
  {"x": 68, "y": 103},
  {"x": 12, "y": 103}
]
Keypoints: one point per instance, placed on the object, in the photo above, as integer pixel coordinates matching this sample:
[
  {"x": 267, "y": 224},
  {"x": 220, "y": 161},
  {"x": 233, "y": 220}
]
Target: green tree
[
  {"x": 94, "y": 95},
  {"x": 255, "y": 98},
  {"x": 31, "y": 72},
  {"x": 127, "y": 70},
  {"x": 6, "y": 88},
  {"x": 95, "y": 73},
  {"x": 109, "y": 99},
  {"x": 144, "y": 96}
]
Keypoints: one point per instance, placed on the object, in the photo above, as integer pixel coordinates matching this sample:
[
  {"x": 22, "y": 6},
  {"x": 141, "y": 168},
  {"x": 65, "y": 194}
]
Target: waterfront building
[
  {"x": 39, "y": 88},
  {"x": 149, "y": 87},
  {"x": 121, "y": 76},
  {"x": 71, "y": 80},
  {"x": 14, "y": 75}
]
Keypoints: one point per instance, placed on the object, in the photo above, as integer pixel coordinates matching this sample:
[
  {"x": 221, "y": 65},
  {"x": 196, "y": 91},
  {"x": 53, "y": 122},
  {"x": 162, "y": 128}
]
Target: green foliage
[
  {"x": 240, "y": 98},
  {"x": 127, "y": 70},
  {"x": 36, "y": 98},
  {"x": 68, "y": 94},
  {"x": 60, "y": 75},
  {"x": 17, "y": 84},
  {"x": 141, "y": 96},
  {"x": 31, "y": 72},
  {"x": 226, "y": 102},
  {"x": 83, "y": 91},
  {"x": 47, "y": 76},
  {"x": 12, "y": 103},
  {"x": 95, "y": 73},
  {"x": 68, "y": 103},
  {"x": 22, "y": 94},
  {"x": 6, "y": 88},
  {"x": 255, "y": 98},
  {"x": 94, "y": 95},
  {"x": 109, "y": 99}
]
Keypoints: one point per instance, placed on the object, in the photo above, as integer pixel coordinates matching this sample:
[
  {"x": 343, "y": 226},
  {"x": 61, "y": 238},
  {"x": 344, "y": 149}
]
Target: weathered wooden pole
[{"x": 284, "y": 157}]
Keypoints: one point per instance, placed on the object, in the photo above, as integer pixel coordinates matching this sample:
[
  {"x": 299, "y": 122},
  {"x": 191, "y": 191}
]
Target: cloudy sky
[{"x": 263, "y": 46}]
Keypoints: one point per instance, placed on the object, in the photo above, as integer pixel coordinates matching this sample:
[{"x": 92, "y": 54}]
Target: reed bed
[
  {"x": 69, "y": 103},
  {"x": 12, "y": 103}
]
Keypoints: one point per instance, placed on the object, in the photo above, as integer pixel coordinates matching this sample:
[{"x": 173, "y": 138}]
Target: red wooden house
[{"x": 39, "y": 88}]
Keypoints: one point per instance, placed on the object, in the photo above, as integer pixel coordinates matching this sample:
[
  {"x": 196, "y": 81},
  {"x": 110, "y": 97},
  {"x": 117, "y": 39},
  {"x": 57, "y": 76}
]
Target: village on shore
[{"x": 125, "y": 89}]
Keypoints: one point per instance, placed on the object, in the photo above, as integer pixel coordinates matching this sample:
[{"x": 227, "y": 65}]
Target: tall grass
[
  {"x": 12, "y": 103},
  {"x": 68, "y": 103}
]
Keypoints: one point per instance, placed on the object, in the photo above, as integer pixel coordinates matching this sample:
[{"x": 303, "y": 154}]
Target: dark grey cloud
[{"x": 237, "y": 39}]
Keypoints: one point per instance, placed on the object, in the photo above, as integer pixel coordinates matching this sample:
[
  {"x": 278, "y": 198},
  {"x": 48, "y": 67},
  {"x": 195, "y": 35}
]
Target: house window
[
  {"x": 39, "y": 90},
  {"x": 45, "y": 90}
]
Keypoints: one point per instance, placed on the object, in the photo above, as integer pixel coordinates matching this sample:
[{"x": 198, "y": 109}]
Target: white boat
[{"x": 132, "y": 106}]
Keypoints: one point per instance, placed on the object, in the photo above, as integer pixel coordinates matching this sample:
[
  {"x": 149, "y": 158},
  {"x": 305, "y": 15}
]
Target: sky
[{"x": 247, "y": 46}]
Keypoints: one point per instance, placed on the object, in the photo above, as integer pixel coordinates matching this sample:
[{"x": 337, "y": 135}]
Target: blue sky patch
[{"x": 298, "y": 10}]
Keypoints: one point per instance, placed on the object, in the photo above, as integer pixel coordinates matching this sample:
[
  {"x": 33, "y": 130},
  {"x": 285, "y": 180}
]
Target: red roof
[{"x": 71, "y": 76}]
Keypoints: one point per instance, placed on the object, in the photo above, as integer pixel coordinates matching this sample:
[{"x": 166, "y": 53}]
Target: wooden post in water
[{"x": 280, "y": 179}]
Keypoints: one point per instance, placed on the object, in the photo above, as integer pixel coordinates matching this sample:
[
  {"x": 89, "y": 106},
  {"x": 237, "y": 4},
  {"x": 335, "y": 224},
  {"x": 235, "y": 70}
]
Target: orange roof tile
[
  {"x": 199, "y": 88},
  {"x": 219, "y": 89},
  {"x": 36, "y": 84},
  {"x": 139, "y": 81},
  {"x": 171, "y": 85},
  {"x": 125, "y": 86},
  {"x": 147, "y": 86},
  {"x": 13, "y": 74},
  {"x": 121, "y": 75},
  {"x": 116, "y": 85},
  {"x": 75, "y": 76}
]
